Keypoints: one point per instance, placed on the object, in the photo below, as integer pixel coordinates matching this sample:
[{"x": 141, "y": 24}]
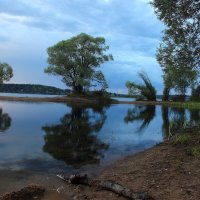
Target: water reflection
[
  {"x": 194, "y": 116},
  {"x": 166, "y": 122},
  {"x": 5, "y": 121},
  {"x": 74, "y": 139},
  {"x": 141, "y": 113},
  {"x": 176, "y": 119}
]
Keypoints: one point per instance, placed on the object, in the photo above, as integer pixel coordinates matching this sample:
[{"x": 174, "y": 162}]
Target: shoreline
[
  {"x": 93, "y": 100},
  {"x": 167, "y": 171}
]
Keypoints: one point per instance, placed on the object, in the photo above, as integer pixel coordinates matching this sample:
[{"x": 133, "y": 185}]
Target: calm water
[
  {"x": 28, "y": 95},
  {"x": 39, "y": 140}
]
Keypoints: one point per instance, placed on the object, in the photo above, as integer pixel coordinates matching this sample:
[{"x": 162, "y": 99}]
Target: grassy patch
[
  {"x": 189, "y": 104},
  {"x": 182, "y": 139},
  {"x": 195, "y": 151}
]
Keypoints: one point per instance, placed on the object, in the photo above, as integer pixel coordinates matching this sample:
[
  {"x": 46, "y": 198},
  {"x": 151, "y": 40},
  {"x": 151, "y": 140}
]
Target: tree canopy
[
  {"x": 179, "y": 51},
  {"x": 6, "y": 72},
  {"x": 77, "y": 60}
]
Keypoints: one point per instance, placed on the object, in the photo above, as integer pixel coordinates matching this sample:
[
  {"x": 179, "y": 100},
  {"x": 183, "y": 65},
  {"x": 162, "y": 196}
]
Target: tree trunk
[
  {"x": 78, "y": 89},
  {"x": 166, "y": 94}
]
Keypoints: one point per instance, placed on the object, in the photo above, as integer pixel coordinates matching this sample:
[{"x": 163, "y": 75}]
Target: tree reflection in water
[
  {"x": 175, "y": 119},
  {"x": 141, "y": 113},
  {"x": 74, "y": 139},
  {"x": 5, "y": 121},
  {"x": 194, "y": 117}
]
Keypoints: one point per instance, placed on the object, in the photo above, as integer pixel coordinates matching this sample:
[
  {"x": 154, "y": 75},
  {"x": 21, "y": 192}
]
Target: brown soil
[
  {"x": 26, "y": 193},
  {"x": 167, "y": 172}
]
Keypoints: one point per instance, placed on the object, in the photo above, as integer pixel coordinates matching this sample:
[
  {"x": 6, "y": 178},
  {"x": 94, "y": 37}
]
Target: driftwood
[
  {"x": 83, "y": 179},
  {"x": 26, "y": 193}
]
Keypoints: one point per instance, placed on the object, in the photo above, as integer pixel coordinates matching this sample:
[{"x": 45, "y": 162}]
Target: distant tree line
[{"x": 32, "y": 89}]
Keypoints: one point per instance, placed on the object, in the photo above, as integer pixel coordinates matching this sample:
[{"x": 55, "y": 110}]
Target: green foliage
[
  {"x": 76, "y": 60},
  {"x": 179, "y": 53},
  {"x": 195, "y": 93},
  {"x": 182, "y": 139},
  {"x": 6, "y": 72},
  {"x": 146, "y": 91},
  {"x": 32, "y": 89},
  {"x": 195, "y": 151}
]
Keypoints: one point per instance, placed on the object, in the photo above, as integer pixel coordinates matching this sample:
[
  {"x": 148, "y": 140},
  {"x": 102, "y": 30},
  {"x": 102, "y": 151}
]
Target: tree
[
  {"x": 146, "y": 91},
  {"x": 6, "y": 72},
  {"x": 77, "y": 59},
  {"x": 179, "y": 52}
]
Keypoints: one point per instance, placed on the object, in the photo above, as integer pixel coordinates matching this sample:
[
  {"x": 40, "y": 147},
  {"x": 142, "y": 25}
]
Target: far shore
[
  {"x": 97, "y": 100},
  {"x": 85, "y": 100}
]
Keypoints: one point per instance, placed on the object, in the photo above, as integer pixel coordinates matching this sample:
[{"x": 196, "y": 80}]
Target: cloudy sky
[{"x": 130, "y": 27}]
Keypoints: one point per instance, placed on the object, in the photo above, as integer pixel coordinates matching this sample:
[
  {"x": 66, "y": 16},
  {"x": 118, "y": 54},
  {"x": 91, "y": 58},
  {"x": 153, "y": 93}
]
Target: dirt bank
[{"x": 169, "y": 171}]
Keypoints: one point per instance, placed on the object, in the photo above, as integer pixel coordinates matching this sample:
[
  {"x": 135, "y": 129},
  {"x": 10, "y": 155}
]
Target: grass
[
  {"x": 182, "y": 139},
  {"x": 188, "y": 104},
  {"x": 195, "y": 151}
]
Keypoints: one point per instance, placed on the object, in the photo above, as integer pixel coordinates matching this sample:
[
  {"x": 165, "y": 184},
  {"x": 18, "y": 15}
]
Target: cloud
[{"x": 131, "y": 30}]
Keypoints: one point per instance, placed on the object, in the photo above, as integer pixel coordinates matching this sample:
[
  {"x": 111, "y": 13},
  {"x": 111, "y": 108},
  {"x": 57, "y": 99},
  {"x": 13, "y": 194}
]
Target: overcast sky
[{"x": 130, "y": 27}]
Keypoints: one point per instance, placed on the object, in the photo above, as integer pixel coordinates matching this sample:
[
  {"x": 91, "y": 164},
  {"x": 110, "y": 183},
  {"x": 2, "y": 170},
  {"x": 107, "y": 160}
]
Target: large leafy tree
[
  {"x": 179, "y": 52},
  {"x": 77, "y": 60},
  {"x": 6, "y": 72}
]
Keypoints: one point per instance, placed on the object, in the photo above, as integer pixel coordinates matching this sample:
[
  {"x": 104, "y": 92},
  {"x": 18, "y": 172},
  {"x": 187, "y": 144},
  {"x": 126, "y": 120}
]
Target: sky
[{"x": 130, "y": 27}]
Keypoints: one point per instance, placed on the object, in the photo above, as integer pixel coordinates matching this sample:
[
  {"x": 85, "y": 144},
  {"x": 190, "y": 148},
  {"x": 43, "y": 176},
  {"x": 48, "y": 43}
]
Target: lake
[{"x": 39, "y": 140}]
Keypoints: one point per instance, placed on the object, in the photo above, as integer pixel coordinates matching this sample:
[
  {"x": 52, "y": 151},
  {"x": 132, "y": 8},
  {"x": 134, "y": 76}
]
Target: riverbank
[
  {"x": 62, "y": 99},
  {"x": 168, "y": 171},
  {"x": 93, "y": 100}
]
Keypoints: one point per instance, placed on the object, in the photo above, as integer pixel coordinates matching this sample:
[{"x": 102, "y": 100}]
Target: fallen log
[
  {"x": 26, "y": 193},
  {"x": 83, "y": 179},
  {"x": 75, "y": 179},
  {"x": 123, "y": 191}
]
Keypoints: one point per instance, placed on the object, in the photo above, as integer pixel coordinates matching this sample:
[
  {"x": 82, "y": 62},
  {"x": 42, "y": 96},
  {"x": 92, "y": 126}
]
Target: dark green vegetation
[
  {"x": 120, "y": 95},
  {"x": 145, "y": 91},
  {"x": 32, "y": 89},
  {"x": 179, "y": 51},
  {"x": 6, "y": 72},
  {"x": 76, "y": 61}
]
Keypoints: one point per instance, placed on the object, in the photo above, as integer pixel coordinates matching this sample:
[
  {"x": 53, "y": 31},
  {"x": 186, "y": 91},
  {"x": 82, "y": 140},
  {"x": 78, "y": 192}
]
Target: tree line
[
  {"x": 32, "y": 89},
  {"x": 77, "y": 60}
]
